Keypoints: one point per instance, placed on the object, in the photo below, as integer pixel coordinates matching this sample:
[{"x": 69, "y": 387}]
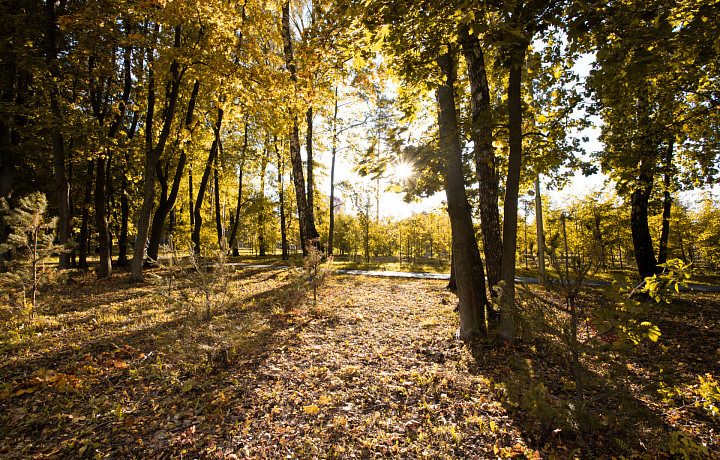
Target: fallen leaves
[{"x": 374, "y": 371}]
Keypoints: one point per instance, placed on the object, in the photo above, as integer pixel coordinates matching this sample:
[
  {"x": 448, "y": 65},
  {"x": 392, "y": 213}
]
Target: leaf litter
[{"x": 111, "y": 370}]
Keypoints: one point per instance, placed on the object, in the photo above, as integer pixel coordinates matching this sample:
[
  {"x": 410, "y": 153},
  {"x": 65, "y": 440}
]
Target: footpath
[{"x": 446, "y": 276}]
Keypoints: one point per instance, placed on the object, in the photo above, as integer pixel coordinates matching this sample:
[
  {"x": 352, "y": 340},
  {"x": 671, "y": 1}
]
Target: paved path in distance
[{"x": 445, "y": 276}]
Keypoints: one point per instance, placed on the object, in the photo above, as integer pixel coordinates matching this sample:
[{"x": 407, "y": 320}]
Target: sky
[{"x": 392, "y": 204}]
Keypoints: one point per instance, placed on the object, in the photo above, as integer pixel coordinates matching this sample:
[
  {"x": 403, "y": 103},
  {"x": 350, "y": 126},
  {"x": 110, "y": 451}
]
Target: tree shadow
[{"x": 622, "y": 412}]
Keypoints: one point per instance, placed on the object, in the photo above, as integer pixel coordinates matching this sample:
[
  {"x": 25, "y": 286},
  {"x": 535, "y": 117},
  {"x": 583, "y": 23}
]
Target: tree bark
[
  {"x": 101, "y": 219},
  {"x": 667, "y": 205},
  {"x": 261, "y": 212},
  {"x": 84, "y": 222},
  {"x": 640, "y": 196},
  {"x": 281, "y": 197},
  {"x": 152, "y": 155},
  {"x": 7, "y": 175},
  {"x": 190, "y": 199},
  {"x": 310, "y": 166},
  {"x": 640, "y": 229},
  {"x": 470, "y": 276},
  {"x": 62, "y": 187},
  {"x": 331, "y": 230},
  {"x": 218, "y": 213},
  {"x": 124, "y": 200},
  {"x": 167, "y": 202},
  {"x": 512, "y": 189},
  {"x": 484, "y": 158},
  {"x": 204, "y": 181},
  {"x": 539, "y": 231},
  {"x": 236, "y": 222},
  {"x": 305, "y": 222}
]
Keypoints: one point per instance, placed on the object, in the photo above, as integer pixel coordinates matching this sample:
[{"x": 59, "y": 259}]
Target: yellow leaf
[
  {"x": 324, "y": 400},
  {"x": 312, "y": 410},
  {"x": 542, "y": 119}
]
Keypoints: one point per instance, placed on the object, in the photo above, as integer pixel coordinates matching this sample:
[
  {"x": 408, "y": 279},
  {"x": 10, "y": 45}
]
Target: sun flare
[{"x": 403, "y": 170}]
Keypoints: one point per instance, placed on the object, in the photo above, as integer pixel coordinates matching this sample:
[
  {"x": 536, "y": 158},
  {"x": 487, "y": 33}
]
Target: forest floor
[{"x": 110, "y": 369}]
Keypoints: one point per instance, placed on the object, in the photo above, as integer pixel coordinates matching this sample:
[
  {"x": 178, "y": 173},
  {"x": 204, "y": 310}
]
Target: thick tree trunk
[
  {"x": 204, "y": 181},
  {"x": 512, "y": 189},
  {"x": 470, "y": 276},
  {"x": 642, "y": 240},
  {"x": 305, "y": 222},
  {"x": 484, "y": 158},
  {"x": 640, "y": 196},
  {"x": 152, "y": 155}
]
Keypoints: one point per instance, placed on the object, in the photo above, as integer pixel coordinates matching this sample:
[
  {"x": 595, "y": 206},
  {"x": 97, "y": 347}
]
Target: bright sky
[{"x": 392, "y": 204}]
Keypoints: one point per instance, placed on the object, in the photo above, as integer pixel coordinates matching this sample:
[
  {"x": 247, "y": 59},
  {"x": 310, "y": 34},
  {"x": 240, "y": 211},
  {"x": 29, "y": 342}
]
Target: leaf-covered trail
[
  {"x": 375, "y": 371},
  {"x": 381, "y": 376}
]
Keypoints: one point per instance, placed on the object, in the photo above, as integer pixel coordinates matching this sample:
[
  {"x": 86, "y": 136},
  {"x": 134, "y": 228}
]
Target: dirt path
[{"x": 381, "y": 375}]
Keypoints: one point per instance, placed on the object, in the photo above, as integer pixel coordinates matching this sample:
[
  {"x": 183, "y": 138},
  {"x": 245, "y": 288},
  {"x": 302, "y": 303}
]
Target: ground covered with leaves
[{"x": 113, "y": 369}]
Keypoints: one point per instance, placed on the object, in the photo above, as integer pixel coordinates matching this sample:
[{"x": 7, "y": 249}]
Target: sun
[{"x": 403, "y": 170}]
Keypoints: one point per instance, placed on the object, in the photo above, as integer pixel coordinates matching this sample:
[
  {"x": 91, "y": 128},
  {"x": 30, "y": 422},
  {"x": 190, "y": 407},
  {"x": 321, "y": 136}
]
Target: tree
[
  {"x": 153, "y": 150},
  {"x": 307, "y": 225},
  {"x": 470, "y": 277},
  {"x": 660, "y": 106}
]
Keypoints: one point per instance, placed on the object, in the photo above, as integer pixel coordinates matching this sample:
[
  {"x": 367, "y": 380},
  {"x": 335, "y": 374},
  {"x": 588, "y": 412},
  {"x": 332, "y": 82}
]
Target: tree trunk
[
  {"x": 124, "y": 201},
  {"x": 124, "y": 217},
  {"x": 512, "y": 189},
  {"x": 152, "y": 155},
  {"x": 261, "y": 212},
  {"x": 7, "y": 175},
  {"x": 484, "y": 158},
  {"x": 102, "y": 178},
  {"x": 540, "y": 232},
  {"x": 281, "y": 197},
  {"x": 667, "y": 205},
  {"x": 469, "y": 271},
  {"x": 310, "y": 166},
  {"x": 236, "y": 222},
  {"x": 204, "y": 181},
  {"x": 305, "y": 222},
  {"x": 167, "y": 202},
  {"x": 642, "y": 240},
  {"x": 190, "y": 199},
  {"x": 452, "y": 283},
  {"x": 331, "y": 230},
  {"x": 84, "y": 222},
  {"x": 101, "y": 219},
  {"x": 62, "y": 187},
  {"x": 218, "y": 212}
]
